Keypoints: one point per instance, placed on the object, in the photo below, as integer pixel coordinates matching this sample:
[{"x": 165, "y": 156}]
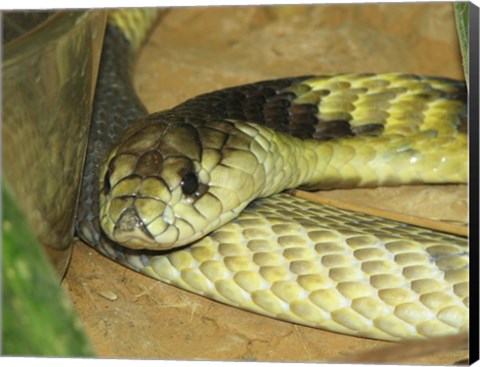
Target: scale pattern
[
  {"x": 282, "y": 256},
  {"x": 350, "y": 273},
  {"x": 337, "y": 131}
]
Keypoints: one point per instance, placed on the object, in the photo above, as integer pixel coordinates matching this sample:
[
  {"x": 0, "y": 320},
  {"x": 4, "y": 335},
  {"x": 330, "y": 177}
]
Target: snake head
[{"x": 167, "y": 185}]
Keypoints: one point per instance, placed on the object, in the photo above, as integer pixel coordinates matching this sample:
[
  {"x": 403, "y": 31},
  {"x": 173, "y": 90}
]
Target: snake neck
[
  {"x": 388, "y": 160},
  {"x": 382, "y": 130},
  {"x": 367, "y": 161},
  {"x": 280, "y": 162}
]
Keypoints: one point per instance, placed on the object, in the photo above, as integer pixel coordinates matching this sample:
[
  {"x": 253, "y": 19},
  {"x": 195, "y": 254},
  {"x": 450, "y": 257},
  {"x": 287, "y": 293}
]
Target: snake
[{"x": 196, "y": 196}]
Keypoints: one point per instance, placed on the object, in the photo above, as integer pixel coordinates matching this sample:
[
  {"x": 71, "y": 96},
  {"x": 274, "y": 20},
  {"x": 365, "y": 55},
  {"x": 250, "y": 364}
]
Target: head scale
[{"x": 167, "y": 185}]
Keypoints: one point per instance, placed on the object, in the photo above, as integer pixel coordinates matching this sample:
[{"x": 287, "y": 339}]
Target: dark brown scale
[
  {"x": 303, "y": 130},
  {"x": 302, "y": 125},
  {"x": 278, "y": 116},
  {"x": 248, "y": 102},
  {"x": 265, "y": 92},
  {"x": 256, "y": 105},
  {"x": 283, "y": 98},
  {"x": 327, "y": 130},
  {"x": 302, "y": 120},
  {"x": 149, "y": 164},
  {"x": 234, "y": 105},
  {"x": 277, "y": 104},
  {"x": 276, "y": 111},
  {"x": 368, "y": 129},
  {"x": 253, "y": 108},
  {"x": 303, "y": 108}
]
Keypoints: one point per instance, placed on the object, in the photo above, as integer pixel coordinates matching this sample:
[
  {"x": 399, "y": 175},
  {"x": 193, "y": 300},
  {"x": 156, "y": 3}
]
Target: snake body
[{"x": 209, "y": 174}]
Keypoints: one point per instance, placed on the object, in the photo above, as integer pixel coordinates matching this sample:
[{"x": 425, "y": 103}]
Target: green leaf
[
  {"x": 38, "y": 317},
  {"x": 461, "y": 19}
]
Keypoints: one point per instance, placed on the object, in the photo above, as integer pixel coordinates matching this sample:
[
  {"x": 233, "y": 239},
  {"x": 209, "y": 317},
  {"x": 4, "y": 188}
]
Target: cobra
[{"x": 193, "y": 195}]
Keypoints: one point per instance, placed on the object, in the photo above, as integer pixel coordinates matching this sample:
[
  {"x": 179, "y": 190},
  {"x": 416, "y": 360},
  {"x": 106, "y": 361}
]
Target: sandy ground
[{"x": 196, "y": 50}]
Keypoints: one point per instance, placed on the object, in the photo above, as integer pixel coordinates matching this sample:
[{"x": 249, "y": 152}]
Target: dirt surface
[{"x": 196, "y": 50}]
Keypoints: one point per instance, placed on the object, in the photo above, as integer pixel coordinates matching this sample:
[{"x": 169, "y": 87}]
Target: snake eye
[
  {"x": 189, "y": 183},
  {"x": 106, "y": 183}
]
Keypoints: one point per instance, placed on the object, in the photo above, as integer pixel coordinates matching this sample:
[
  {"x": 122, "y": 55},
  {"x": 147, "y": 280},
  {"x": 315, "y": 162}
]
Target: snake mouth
[
  {"x": 147, "y": 223},
  {"x": 131, "y": 231}
]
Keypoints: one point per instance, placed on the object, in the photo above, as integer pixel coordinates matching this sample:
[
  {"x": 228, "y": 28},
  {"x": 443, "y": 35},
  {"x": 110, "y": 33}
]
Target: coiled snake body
[{"x": 209, "y": 172}]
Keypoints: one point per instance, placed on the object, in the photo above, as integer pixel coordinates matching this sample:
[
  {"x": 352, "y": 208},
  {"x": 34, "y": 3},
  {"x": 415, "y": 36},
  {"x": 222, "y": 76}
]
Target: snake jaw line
[{"x": 130, "y": 230}]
